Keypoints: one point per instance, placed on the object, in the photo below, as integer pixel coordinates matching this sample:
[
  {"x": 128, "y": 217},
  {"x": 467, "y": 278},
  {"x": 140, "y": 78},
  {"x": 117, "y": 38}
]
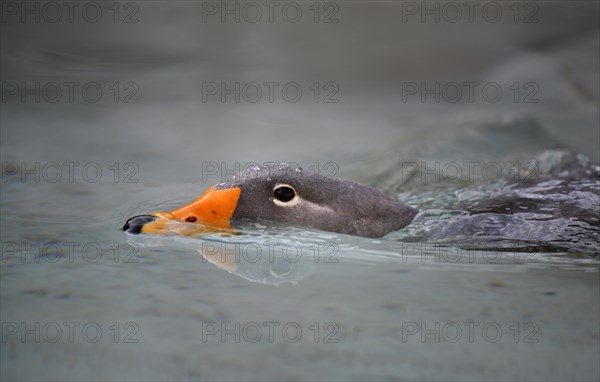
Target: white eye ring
[{"x": 285, "y": 203}]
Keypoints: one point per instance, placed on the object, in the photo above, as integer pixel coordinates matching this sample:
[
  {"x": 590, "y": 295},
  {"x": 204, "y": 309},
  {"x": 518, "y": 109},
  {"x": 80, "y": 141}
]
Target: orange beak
[{"x": 214, "y": 209}]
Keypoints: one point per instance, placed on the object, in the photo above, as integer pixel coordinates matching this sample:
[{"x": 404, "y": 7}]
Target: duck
[{"x": 289, "y": 195}]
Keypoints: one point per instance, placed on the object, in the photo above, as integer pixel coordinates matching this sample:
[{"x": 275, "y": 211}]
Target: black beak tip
[{"x": 134, "y": 225}]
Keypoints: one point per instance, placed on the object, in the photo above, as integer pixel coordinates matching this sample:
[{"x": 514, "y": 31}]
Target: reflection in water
[
  {"x": 264, "y": 259},
  {"x": 271, "y": 262}
]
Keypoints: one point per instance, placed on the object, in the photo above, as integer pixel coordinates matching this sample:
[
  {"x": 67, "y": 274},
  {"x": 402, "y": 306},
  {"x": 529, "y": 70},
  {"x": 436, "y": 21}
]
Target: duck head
[{"x": 289, "y": 195}]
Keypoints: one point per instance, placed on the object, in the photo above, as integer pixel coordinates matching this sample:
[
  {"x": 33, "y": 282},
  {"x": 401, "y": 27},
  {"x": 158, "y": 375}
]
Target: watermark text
[
  {"x": 69, "y": 172},
  {"x": 69, "y": 12},
  {"x": 53, "y": 252},
  {"x": 269, "y": 331},
  {"x": 69, "y": 92},
  {"x": 470, "y": 332},
  {"x": 69, "y": 331},
  {"x": 253, "y": 12},
  {"x": 269, "y": 91},
  {"x": 452, "y": 12}
]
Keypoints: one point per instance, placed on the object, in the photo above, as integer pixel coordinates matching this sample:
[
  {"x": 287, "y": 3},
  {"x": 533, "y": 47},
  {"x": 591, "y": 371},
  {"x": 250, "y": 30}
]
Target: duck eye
[{"x": 284, "y": 193}]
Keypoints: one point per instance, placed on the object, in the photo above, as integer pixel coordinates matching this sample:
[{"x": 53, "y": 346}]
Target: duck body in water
[
  {"x": 555, "y": 213},
  {"x": 290, "y": 195}
]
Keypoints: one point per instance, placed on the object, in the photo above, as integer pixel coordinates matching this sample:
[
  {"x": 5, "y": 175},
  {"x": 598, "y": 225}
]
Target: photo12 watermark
[
  {"x": 270, "y": 12},
  {"x": 457, "y": 171},
  {"x": 470, "y": 332},
  {"x": 270, "y": 92},
  {"x": 435, "y": 253},
  {"x": 269, "y": 331},
  {"x": 69, "y": 332},
  {"x": 68, "y": 172},
  {"x": 70, "y": 92},
  {"x": 452, "y": 12},
  {"x": 69, "y": 12},
  {"x": 71, "y": 252},
  {"x": 225, "y": 171},
  {"x": 470, "y": 92},
  {"x": 269, "y": 251}
]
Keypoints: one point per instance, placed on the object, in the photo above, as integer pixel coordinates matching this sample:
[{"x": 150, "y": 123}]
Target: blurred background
[
  {"x": 368, "y": 51},
  {"x": 151, "y": 92}
]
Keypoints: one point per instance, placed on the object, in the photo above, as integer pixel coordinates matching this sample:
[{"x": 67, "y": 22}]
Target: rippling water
[
  {"x": 496, "y": 278},
  {"x": 558, "y": 210}
]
